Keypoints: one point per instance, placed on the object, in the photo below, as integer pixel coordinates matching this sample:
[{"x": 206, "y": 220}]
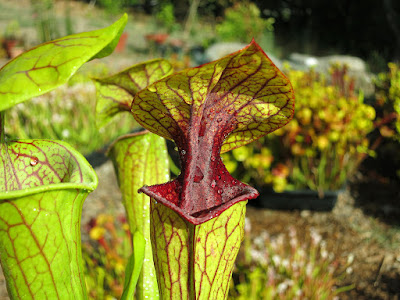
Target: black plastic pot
[{"x": 297, "y": 200}]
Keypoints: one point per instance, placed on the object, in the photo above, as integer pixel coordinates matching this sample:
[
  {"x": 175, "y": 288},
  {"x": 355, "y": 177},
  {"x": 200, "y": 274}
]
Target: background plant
[
  {"x": 106, "y": 254},
  {"x": 387, "y": 104},
  {"x": 388, "y": 101},
  {"x": 166, "y": 18},
  {"x": 242, "y": 22},
  {"x": 66, "y": 113},
  {"x": 324, "y": 144},
  {"x": 287, "y": 266},
  {"x": 46, "y": 22}
]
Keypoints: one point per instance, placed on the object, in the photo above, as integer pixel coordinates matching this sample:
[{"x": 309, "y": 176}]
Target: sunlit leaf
[
  {"x": 195, "y": 261},
  {"x": 115, "y": 93},
  {"x": 51, "y": 64},
  {"x": 29, "y": 166},
  {"x": 134, "y": 266},
  {"x": 42, "y": 189}
]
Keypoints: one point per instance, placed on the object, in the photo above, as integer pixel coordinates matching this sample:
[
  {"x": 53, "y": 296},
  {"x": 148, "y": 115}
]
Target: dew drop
[
  {"x": 213, "y": 184},
  {"x": 34, "y": 161},
  {"x": 198, "y": 175},
  {"x": 219, "y": 192},
  {"x": 183, "y": 152}
]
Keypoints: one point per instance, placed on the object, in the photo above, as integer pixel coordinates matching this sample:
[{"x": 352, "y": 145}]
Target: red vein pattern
[
  {"x": 43, "y": 186},
  {"x": 212, "y": 108},
  {"x": 115, "y": 93},
  {"x": 195, "y": 261},
  {"x": 40, "y": 245},
  {"x": 26, "y": 164}
]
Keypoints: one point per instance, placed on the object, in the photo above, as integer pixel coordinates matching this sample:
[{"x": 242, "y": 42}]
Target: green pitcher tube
[
  {"x": 43, "y": 185},
  {"x": 195, "y": 262},
  {"x": 140, "y": 159}
]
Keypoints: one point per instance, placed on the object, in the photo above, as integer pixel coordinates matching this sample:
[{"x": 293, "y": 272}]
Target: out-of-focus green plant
[
  {"x": 105, "y": 255},
  {"x": 166, "y": 18},
  {"x": 388, "y": 102},
  {"x": 323, "y": 145},
  {"x": 46, "y": 22},
  {"x": 65, "y": 114},
  {"x": 243, "y": 22},
  {"x": 387, "y": 105},
  {"x": 287, "y": 267}
]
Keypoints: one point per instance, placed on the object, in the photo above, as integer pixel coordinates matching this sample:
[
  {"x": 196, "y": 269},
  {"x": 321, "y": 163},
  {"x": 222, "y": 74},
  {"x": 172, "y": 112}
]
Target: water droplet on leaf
[
  {"x": 34, "y": 161},
  {"x": 198, "y": 175}
]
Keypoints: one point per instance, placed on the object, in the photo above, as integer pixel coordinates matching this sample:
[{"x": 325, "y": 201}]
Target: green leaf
[
  {"x": 51, "y": 64},
  {"x": 115, "y": 93},
  {"x": 195, "y": 261},
  {"x": 140, "y": 159},
  {"x": 134, "y": 266},
  {"x": 43, "y": 185}
]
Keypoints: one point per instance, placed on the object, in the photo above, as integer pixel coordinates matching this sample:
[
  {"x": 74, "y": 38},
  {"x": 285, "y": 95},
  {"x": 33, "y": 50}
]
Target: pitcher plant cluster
[{"x": 186, "y": 232}]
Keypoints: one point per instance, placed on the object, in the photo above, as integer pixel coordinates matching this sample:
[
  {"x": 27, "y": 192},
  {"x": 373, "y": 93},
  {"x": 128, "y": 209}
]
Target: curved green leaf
[
  {"x": 51, "y": 64},
  {"x": 134, "y": 266},
  {"x": 31, "y": 166},
  {"x": 115, "y": 93}
]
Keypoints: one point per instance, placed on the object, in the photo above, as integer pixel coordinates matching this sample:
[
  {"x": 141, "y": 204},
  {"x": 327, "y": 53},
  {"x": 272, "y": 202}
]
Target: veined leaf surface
[
  {"x": 115, "y": 93},
  {"x": 42, "y": 188},
  {"x": 216, "y": 107},
  {"x": 195, "y": 261}
]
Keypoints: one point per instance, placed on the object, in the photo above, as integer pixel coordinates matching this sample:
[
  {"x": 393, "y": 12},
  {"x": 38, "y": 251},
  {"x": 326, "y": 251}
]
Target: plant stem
[{"x": 2, "y": 134}]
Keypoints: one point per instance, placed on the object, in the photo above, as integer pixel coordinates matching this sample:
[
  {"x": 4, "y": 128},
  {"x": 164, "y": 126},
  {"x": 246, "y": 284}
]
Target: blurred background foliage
[
  {"x": 308, "y": 26},
  {"x": 321, "y": 147}
]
